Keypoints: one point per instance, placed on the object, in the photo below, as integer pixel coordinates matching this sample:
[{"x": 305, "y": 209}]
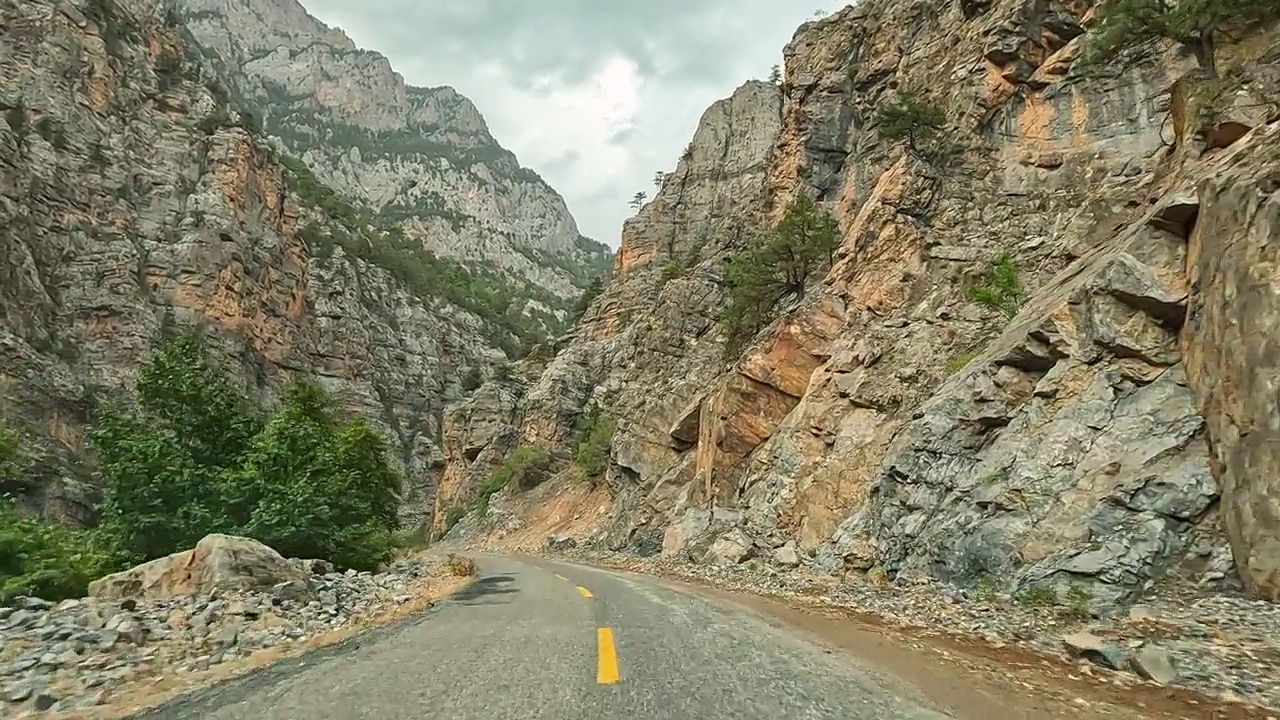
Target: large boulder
[{"x": 222, "y": 562}]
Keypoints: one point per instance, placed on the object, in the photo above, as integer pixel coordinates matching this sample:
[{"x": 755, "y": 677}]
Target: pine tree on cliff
[
  {"x": 911, "y": 117},
  {"x": 1198, "y": 25},
  {"x": 804, "y": 241}
]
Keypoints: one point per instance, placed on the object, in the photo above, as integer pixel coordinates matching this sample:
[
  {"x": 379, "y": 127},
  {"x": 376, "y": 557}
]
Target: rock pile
[{"x": 83, "y": 653}]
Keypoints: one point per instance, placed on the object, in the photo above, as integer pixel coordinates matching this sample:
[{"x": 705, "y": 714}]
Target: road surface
[{"x": 536, "y": 639}]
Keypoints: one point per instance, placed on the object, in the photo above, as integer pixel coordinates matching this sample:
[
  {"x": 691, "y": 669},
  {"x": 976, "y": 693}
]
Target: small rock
[
  {"x": 1142, "y": 613},
  {"x": 132, "y": 631},
  {"x": 23, "y": 690},
  {"x": 32, "y": 603},
  {"x": 1094, "y": 649},
  {"x": 107, "y": 639},
  {"x": 786, "y": 555},
  {"x": 561, "y": 542},
  {"x": 226, "y": 635},
  {"x": 1153, "y": 663}
]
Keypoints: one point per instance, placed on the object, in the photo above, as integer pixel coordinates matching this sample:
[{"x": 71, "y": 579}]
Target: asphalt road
[{"x": 536, "y": 639}]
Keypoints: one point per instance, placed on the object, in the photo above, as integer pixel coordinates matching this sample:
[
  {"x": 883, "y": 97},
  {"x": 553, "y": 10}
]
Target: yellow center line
[
  {"x": 561, "y": 576},
  {"x": 607, "y": 668},
  {"x": 585, "y": 592}
]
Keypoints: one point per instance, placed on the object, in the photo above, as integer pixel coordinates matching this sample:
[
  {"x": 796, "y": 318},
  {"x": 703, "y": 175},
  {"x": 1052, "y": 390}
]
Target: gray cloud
[{"x": 528, "y": 66}]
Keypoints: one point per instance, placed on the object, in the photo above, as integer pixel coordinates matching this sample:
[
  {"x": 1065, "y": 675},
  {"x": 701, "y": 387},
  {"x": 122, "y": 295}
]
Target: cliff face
[
  {"x": 1108, "y": 426},
  {"x": 130, "y": 187},
  {"x": 419, "y": 157}
]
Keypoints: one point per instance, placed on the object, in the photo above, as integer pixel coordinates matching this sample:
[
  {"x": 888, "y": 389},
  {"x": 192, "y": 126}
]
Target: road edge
[{"x": 246, "y": 679}]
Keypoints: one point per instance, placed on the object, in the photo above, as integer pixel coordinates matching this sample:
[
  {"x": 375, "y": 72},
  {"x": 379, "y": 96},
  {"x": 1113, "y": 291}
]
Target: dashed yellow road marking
[
  {"x": 585, "y": 592},
  {"x": 607, "y": 667},
  {"x": 561, "y": 576}
]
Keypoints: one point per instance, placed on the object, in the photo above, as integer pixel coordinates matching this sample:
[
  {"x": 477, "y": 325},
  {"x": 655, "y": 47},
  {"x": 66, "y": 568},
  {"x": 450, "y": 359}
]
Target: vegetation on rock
[
  {"x": 1197, "y": 24},
  {"x": 195, "y": 456},
  {"x": 912, "y": 118},
  {"x": 1000, "y": 288},
  {"x": 527, "y": 467},
  {"x": 594, "y": 440},
  {"x": 804, "y": 241}
]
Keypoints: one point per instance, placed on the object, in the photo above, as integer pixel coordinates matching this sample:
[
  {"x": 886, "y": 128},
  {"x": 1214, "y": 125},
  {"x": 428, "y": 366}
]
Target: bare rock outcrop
[{"x": 217, "y": 562}]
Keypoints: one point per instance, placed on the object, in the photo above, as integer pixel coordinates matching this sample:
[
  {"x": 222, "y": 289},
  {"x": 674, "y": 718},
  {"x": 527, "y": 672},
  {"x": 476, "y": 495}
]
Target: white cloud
[{"x": 594, "y": 96}]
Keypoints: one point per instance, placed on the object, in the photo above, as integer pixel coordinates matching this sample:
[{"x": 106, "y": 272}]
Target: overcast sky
[{"x": 595, "y": 95}]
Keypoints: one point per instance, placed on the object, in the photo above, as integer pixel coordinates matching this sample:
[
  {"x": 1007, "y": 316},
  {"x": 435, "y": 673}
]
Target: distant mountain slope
[{"x": 419, "y": 158}]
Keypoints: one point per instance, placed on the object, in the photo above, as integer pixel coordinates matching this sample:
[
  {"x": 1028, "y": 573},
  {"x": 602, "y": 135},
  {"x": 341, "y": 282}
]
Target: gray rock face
[{"x": 128, "y": 188}]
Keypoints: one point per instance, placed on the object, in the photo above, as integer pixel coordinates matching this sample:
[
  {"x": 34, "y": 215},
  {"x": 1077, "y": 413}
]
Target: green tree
[
  {"x": 15, "y": 465},
  {"x": 164, "y": 461},
  {"x": 195, "y": 457},
  {"x": 1198, "y": 25},
  {"x": 595, "y": 438},
  {"x": 775, "y": 75},
  {"x": 592, "y": 291},
  {"x": 911, "y": 117},
  {"x": 804, "y": 241}
]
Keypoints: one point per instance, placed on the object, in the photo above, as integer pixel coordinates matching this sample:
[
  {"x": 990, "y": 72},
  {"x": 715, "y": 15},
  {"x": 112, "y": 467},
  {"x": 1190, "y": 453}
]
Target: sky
[{"x": 594, "y": 95}]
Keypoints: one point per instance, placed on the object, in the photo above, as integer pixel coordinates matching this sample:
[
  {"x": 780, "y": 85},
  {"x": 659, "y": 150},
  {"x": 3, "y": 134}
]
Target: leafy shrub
[
  {"x": 460, "y": 566},
  {"x": 50, "y": 562},
  {"x": 1000, "y": 288},
  {"x": 595, "y": 437},
  {"x": 15, "y": 466},
  {"x": 527, "y": 467}
]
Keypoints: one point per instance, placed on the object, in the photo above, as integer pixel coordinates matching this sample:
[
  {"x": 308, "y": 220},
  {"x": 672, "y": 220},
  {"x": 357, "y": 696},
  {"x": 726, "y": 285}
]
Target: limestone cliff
[
  {"x": 132, "y": 185},
  {"x": 422, "y": 158},
  {"x": 1108, "y": 428}
]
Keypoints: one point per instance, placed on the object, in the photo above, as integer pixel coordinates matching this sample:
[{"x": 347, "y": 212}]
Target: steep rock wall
[{"x": 1108, "y": 435}]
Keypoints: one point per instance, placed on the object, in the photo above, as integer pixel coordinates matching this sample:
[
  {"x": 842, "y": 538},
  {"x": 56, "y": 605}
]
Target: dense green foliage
[
  {"x": 194, "y": 457},
  {"x": 526, "y": 467},
  {"x": 803, "y": 242},
  {"x": 1196, "y": 24},
  {"x": 594, "y": 440},
  {"x": 47, "y": 561},
  {"x": 1000, "y": 288}
]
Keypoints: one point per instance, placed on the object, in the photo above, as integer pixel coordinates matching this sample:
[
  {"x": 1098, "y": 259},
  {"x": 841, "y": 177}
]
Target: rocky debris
[
  {"x": 1225, "y": 646},
  {"x": 83, "y": 653},
  {"x": 217, "y": 562},
  {"x": 1095, "y": 649},
  {"x": 557, "y": 543}
]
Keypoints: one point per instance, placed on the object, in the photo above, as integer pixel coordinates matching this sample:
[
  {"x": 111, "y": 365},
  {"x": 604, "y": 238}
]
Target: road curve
[{"x": 537, "y": 639}]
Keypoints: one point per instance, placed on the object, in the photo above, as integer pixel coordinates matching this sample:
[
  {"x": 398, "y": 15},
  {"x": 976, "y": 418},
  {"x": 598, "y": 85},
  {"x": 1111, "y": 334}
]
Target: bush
[
  {"x": 50, "y": 562},
  {"x": 595, "y": 438},
  {"x": 527, "y": 467},
  {"x": 15, "y": 466},
  {"x": 1000, "y": 288},
  {"x": 196, "y": 458}
]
